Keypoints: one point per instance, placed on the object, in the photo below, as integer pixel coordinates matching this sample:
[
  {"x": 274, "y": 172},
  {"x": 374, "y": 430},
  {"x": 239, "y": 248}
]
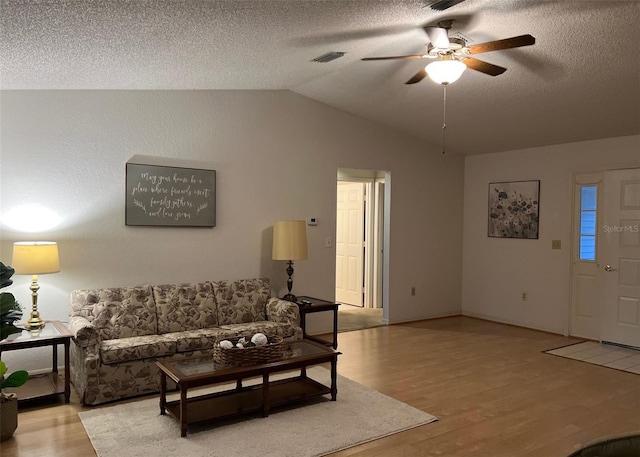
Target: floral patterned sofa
[{"x": 120, "y": 332}]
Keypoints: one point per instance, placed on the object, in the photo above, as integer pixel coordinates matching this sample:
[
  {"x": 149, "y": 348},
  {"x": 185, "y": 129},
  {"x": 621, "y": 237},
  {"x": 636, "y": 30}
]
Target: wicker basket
[{"x": 237, "y": 357}]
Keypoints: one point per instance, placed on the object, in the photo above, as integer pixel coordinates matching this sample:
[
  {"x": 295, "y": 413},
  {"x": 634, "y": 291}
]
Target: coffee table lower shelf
[{"x": 250, "y": 399}]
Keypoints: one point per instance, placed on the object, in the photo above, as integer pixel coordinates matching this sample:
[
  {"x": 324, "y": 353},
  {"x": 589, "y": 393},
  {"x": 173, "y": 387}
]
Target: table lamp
[
  {"x": 289, "y": 243},
  {"x": 35, "y": 258}
]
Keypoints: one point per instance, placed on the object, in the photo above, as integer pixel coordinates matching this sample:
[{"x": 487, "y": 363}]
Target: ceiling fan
[
  {"x": 442, "y": 5},
  {"x": 455, "y": 49}
]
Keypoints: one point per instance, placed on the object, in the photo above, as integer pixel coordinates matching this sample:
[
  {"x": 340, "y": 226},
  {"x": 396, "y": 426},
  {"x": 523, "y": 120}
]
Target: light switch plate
[{"x": 556, "y": 244}]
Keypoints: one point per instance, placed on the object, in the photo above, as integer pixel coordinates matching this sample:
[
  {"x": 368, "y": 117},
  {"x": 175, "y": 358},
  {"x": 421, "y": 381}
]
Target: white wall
[
  {"x": 276, "y": 154},
  {"x": 496, "y": 271}
]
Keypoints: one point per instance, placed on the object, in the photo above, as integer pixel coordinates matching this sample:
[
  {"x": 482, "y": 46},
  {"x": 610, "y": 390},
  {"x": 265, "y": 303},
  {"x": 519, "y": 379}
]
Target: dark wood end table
[
  {"x": 49, "y": 384},
  {"x": 318, "y": 305}
]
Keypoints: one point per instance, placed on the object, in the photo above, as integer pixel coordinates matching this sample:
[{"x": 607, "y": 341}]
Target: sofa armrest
[
  {"x": 279, "y": 310},
  {"x": 84, "y": 332}
]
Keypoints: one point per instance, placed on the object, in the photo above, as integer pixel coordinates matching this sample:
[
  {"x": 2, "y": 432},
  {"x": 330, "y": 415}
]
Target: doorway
[
  {"x": 361, "y": 217},
  {"x": 605, "y": 292}
]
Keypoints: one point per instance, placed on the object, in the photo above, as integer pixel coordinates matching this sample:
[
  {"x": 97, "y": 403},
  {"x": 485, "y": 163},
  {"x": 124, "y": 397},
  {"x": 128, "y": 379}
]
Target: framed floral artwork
[{"x": 514, "y": 209}]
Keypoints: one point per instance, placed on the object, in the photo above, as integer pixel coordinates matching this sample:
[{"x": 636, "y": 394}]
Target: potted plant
[
  {"x": 9, "y": 402},
  {"x": 10, "y": 312}
]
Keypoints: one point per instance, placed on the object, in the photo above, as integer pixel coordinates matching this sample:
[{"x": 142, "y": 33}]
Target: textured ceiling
[{"x": 580, "y": 81}]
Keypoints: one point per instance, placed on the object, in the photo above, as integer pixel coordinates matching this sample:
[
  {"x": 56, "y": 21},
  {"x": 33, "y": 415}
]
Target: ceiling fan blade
[
  {"x": 442, "y": 5},
  {"x": 483, "y": 67},
  {"x": 413, "y": 56},
  {"x": 438, "y": 37},
  {"x": 417, "y": 77},
  {"x": 507, "y": 43}
]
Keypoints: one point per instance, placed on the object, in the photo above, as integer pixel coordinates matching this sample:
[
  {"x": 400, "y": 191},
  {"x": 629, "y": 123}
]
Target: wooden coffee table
[{"x": 198, "y": 372}]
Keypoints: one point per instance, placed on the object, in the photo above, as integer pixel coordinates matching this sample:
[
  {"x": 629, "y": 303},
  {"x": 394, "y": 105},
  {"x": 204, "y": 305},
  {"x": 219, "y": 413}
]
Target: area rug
[
  {"x": 321, "y": 427},
  {"x": 606, "y": 355}
]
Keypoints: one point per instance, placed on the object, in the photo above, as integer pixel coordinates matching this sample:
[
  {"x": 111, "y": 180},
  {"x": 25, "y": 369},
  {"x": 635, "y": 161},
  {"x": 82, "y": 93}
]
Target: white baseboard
[
  {"x": 437, "y": 316},
  {"x": 510, "y": 322}
]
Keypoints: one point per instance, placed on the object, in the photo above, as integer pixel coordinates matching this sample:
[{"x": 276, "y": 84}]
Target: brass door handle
[{"x": 608, "y": 268}]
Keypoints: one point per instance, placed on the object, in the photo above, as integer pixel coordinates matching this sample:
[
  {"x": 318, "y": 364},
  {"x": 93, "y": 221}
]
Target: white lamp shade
[
  {"x": 445, "y": 71},
  {"x": 35, "y": 257},
  {"x": 289, "y": 240}
]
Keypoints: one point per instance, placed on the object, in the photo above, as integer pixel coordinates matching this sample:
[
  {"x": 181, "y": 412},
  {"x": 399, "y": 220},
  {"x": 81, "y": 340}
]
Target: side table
[
  {"x": 49, "y": 384},
  {"x": 318, "y": 305}
]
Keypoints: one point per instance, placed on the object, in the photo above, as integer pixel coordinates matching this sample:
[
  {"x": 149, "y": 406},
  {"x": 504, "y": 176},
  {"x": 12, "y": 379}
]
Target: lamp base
[
  {"x": 34, "y": 322},
  {"x": 290, "y": 297}
]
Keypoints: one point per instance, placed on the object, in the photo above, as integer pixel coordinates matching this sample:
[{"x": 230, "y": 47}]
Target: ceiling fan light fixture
[{"x": 445, "y": 71}]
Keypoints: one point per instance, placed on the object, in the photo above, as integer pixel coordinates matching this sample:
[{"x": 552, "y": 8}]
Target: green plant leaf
[
  {"x": 10, "y": 312},
  {"x": 7, "y": 302},
  {"x": 5, "y": 273},
  {"x": 3, "y": 369},
  {"x": 8, "y": 329},
  {"x": 15, "y": 379}
]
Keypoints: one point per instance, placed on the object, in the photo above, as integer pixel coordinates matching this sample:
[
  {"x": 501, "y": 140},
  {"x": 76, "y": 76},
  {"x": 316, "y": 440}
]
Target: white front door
[
  {"x": 620, "y": 260},
  {"x": 349, "y": 242}
]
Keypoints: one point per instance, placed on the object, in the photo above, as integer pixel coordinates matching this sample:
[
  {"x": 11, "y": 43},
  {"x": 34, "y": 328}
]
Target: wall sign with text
[{"x": 170, "y": 196}]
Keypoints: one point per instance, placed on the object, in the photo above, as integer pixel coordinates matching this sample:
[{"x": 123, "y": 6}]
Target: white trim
[
  {"x": 369, "y": 268},
  {"x": 378, "y": 241},
  {"x": 510, "y": 322}
]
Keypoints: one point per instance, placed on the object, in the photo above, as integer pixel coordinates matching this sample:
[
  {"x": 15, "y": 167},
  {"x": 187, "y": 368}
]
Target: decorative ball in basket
[{"x": 238, "y": 352}]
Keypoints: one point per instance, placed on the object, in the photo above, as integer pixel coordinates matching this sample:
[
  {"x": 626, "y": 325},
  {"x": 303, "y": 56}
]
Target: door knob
[{"x": 608, "y": 268}]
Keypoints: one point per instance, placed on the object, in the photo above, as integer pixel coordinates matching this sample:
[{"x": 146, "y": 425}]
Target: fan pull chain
[{"x": 444, "y": 116}]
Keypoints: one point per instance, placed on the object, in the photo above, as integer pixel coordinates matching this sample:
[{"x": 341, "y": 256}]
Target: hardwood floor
[{"x": 495, "y": 394}]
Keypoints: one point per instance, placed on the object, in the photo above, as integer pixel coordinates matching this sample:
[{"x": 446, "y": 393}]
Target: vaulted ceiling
[{"x": 580, "y": 81}]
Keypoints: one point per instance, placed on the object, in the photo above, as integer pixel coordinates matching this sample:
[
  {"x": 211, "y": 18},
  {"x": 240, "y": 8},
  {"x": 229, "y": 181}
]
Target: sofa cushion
[
  {"x": 120, "y": 312},
  {"x": 185, "y": 307},
  {"x": 285, "y": 330},
  {"x": 241, "y": 301},
  {"x": 195, "y": 340},
  {"x": 136, "y": 348}
]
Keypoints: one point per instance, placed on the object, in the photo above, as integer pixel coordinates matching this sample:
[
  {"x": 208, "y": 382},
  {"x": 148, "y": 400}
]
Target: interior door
[
  {"x": 349, "y": 243},
  {"x": 620, "y": 262}
]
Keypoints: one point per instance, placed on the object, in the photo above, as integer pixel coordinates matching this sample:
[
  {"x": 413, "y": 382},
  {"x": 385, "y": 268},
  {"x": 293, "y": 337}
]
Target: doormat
[{"x": 606, "y": 355}]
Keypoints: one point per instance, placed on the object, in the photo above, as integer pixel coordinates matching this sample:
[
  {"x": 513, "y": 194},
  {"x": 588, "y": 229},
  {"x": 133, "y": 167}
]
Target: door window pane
[
  {"x": 588, "y": 222},
  {"x": 588, "y": 197},
  {"x": 587, "y": 248}
]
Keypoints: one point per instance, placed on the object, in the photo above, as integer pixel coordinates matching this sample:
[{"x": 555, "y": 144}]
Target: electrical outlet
[
  {"x": 413, "y": 291},
  {"x": 328, "y": 242},
  {"x": 524, "y": 296}
]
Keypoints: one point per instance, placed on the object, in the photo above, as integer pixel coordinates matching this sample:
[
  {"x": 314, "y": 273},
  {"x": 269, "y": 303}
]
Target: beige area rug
[
  {"x": 318, "y": 428},
  {"x": 606, "y": 355},
  {"x": 356, "y": 318}
]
